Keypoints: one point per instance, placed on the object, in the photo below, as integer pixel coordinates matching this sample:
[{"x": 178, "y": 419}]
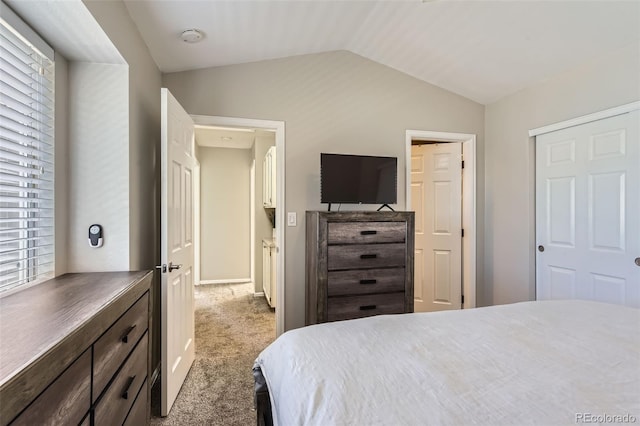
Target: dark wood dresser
[
  {"x": 358, "y": 264},
  {"x": 75, "y": 350}
]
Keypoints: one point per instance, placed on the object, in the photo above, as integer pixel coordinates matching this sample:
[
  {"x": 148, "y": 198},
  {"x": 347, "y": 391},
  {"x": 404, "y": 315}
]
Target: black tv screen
[{"x": 358, "y": 179}]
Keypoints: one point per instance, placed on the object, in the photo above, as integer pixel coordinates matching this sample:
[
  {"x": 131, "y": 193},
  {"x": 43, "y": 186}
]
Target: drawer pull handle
[
  {"x": 368, "y": 232},
  {"x": 368, "y": 256},
  {"x": 367, "y": 307},
  {"x": 125, "y": 394},
  {"x": 368, "y": 281},
  {"x": 125, "y": 338}
]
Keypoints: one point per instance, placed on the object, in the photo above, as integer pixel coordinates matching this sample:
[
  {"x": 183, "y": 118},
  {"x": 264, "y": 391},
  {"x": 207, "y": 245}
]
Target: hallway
[{"x": 231, "y": 328}]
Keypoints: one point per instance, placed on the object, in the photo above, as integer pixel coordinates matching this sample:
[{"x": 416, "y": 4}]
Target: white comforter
[{"x": 553, "y": 362}]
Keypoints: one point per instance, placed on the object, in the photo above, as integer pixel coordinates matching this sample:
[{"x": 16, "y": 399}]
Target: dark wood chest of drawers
[
  {"x": 358, "y": 264},
  {"x": 81, "y": 353}
]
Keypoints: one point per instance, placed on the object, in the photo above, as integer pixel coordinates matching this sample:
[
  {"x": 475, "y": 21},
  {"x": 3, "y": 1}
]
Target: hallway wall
[{"x": 225, "y": 213}]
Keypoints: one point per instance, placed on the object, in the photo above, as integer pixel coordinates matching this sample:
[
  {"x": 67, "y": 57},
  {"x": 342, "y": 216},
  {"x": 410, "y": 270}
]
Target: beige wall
[
  {"x": 98, "y": 166},
  {"x": 509, "y": 152},
  {"x": 330, "y": 102},
  {"x": 225, "y": 213},
  {"x": 143, "y": 173},
  {"x": 264, "y": 229},
  {"x": 144, "y": 131}
]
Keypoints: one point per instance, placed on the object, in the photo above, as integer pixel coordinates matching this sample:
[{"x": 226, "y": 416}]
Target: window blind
[{"x": 26, "y": 158}]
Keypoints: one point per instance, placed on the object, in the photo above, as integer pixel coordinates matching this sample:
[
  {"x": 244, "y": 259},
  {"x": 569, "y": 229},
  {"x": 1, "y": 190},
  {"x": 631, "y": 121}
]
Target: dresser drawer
[
  {"x": 86, "y": 421},
  {"x": 366, "y": 256},
  {"x": 349, "y": 307},
  {"x": 138, "y": 415},
  {"x": 366, "y": 232},
  {"x": 65, "y": 401},
  {"x": 364, "y": 281},
  {"x": 114, "y": 346},
  {"x": 114, "y": 405}
]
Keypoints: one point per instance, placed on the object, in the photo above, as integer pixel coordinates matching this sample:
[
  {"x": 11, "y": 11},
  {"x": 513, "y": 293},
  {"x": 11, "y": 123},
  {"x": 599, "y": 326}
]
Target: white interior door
[
  {"x": 177, "y": 251},
  {"x": 436, "y": 194},
  {"x": 588, "y": 212}
]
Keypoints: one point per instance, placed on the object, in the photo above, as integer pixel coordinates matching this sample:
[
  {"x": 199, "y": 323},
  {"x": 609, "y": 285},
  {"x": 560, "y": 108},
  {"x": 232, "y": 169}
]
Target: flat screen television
[{"x": 358, "y": 179}]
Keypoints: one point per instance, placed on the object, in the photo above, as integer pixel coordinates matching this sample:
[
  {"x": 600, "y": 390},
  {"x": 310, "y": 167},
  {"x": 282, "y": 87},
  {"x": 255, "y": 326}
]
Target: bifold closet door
[{"x": 588, "y": 212}]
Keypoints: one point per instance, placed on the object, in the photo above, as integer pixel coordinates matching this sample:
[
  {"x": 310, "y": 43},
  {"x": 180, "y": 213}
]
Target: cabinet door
[
  {"x": 266, "y": 181},
  {"x": 266, "y": 271},
  {"x": 269, "y": 178},
  {"x": 272, "y": 278},
  {"x": 272, "y": 177}
]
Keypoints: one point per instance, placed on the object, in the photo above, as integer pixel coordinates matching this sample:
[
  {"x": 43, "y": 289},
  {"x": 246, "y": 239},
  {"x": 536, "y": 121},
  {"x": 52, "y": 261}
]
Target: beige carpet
[{"x": 232, "y": 327}]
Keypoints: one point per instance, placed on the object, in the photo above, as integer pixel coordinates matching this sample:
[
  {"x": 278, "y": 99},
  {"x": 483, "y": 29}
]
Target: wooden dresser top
[{"x": 36, "y": 320}]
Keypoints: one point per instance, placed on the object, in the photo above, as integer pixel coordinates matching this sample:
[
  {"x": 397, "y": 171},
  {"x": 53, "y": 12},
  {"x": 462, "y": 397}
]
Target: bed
[{"x": 551, "y": 362}]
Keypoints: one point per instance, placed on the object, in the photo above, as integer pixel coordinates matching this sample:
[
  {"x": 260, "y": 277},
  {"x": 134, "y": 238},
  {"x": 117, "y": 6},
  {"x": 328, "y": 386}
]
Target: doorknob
[
  {"x": 540, "y": 248},
  {"x": 173, "y": 267},
  {"x": 638, "y": 261}
]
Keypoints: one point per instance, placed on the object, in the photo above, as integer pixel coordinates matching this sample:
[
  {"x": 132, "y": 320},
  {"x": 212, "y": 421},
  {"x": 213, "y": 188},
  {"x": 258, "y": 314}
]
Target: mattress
[{"x": 551, "y": 362}]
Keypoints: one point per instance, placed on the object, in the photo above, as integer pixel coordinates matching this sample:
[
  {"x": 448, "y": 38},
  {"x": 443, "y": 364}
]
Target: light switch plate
[{"x": 292, "y": 218}]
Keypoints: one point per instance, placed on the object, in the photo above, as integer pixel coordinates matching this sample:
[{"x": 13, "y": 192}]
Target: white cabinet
[
  {"x": 269, "y": 271},
  {"x": 269, "y": 179}
]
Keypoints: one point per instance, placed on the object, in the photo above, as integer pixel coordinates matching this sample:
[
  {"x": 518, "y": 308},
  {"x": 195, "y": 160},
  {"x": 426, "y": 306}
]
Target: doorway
[
  {"x": 467, "y": 232},
  {"x": 436, "y": 185},
  {"x": 277, "y": 128}
]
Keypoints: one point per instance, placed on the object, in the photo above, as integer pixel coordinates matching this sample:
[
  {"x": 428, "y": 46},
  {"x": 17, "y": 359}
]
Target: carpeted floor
[{"x": 232, "y": 327}]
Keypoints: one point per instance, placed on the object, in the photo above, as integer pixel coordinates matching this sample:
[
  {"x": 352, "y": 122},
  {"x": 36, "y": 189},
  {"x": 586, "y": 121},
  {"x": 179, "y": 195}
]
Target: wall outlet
[{"x": 292, "y": 218}]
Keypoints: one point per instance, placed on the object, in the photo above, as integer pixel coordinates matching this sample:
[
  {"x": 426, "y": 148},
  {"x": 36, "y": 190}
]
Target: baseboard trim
[
  {"x": 230, "y": 281},
  {"x": 258, "y": 294}
]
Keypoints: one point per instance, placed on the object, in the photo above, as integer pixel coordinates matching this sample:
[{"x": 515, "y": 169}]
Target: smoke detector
[{"x": 192, "y": 36}]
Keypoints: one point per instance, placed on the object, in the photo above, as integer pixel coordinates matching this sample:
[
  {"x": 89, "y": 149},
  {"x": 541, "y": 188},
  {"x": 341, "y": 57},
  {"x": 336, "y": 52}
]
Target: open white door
[
  {"x": 588, "y": 211},
  {"x": 177, "y": 251},
  {"x": 436, "y": 194}
]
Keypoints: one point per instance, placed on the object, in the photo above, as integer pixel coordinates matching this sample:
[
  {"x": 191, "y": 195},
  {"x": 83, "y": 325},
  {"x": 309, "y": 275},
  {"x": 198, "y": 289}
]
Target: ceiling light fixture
[{"x": 192, "y": 36}]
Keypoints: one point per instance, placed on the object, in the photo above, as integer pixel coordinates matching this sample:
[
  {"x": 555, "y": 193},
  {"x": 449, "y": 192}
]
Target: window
[{"x": 26, "y": 155}]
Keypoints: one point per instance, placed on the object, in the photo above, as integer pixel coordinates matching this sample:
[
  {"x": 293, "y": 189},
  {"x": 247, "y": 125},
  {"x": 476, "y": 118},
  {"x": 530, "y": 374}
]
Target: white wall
[
  {"x": 509, "y": 245},
  {"x": 264, "y": 229},
  {"x": 335, "y": 102},
  {"x": 98, "y": 165},
  {"x": 144, "y": 81},
  {"x": 225, "y": 213}
]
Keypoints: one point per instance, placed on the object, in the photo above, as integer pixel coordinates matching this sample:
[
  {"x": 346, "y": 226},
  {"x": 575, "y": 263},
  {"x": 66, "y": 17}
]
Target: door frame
[
  {"x": 196, "y": 223},
  {"x": 278, "y": 127},
  {"x": 468, "y": 201}
]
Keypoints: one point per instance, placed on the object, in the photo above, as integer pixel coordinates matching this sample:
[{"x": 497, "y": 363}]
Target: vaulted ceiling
[{"x": 483, "y": 50}]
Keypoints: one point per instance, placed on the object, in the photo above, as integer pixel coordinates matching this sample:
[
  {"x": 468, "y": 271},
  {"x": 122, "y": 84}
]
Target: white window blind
[{"x": 26, "y": 157}]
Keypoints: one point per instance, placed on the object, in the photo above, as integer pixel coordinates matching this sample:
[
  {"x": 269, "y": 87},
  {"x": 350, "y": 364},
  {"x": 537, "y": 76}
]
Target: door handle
[
  {"x": 540, "y": 248},
  {"x": 125, "y": 338},
  {"x": 368, "y": 256},
  {"x": 170, "y": 268},
  {"x": 637, "y": 261},
  {"x": 173, "y": 267},
  {"x": 125, "y": 394}
]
